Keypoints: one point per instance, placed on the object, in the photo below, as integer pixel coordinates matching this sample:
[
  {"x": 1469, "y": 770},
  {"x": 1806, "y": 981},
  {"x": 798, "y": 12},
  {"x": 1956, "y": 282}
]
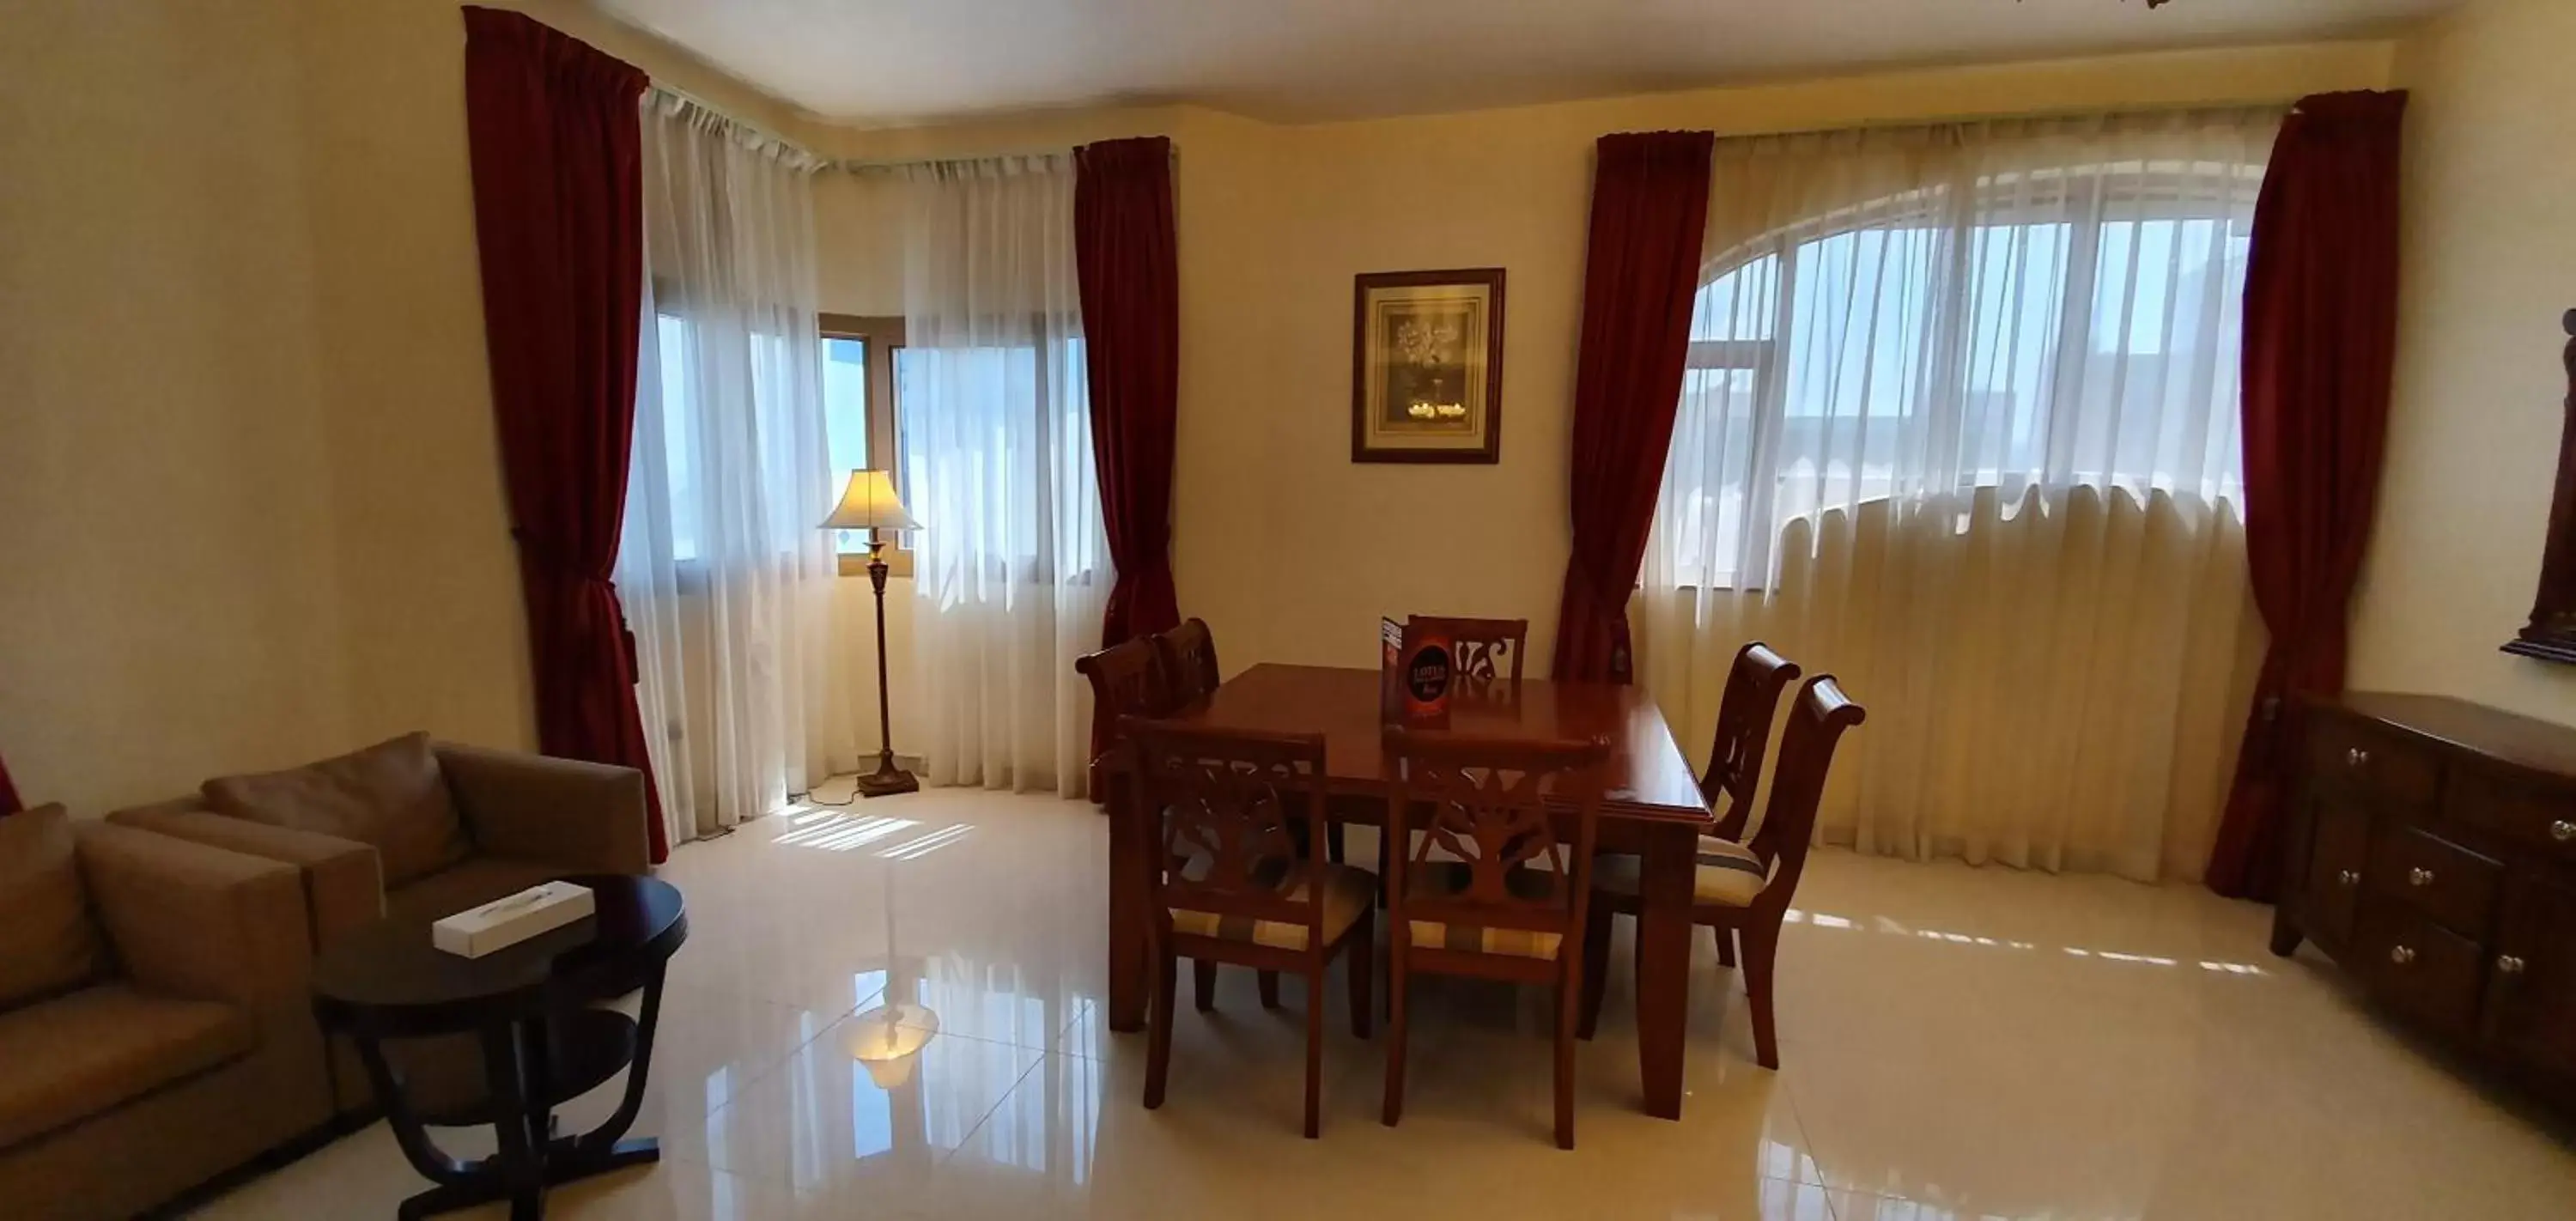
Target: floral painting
[{"x": 1427, "y": 366}]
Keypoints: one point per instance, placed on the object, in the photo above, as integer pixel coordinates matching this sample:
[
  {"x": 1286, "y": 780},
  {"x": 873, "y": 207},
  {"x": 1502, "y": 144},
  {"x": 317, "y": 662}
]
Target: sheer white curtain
[
  {"x": 1011, "y": 568},
  {"x": 1960, "y": 426},
  {"x": 726, "y": 580}
]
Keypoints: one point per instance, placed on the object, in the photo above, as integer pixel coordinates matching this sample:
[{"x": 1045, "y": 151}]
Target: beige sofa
[
  {"x": 413, "y": 827},
  {"x": 155, "y": 1020}
]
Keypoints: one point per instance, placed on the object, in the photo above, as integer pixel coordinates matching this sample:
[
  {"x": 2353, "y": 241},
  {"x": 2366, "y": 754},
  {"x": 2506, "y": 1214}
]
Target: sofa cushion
[
  {"x": 75, "y": 1056},
  {"x": 389, "y": 796},
  {"x": 48, "y": 941},
  {"x": 469, "y": 884}
]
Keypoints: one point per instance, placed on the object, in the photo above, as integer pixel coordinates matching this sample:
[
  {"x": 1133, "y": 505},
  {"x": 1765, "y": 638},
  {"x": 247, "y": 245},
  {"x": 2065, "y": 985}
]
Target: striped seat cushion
[
  {"x": 1442, "y": 879},
  {"x": 1349, "y": 893},
  {"x": 1727, "y": 873}
]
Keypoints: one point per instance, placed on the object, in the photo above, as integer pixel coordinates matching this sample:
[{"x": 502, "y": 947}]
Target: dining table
[{"x": 1651, "y": 807}]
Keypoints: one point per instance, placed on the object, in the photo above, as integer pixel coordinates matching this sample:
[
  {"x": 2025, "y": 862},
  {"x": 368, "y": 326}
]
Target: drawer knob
[
  {"x": 2401, "y": 954},
  {"x": 2419, "y": 876},
  {"x": 2562, "y": 830},
  {"x": 2349, "y": 877},
  {"x": 2509, "y": 964},
  {"x": 2356, "y": 757}
]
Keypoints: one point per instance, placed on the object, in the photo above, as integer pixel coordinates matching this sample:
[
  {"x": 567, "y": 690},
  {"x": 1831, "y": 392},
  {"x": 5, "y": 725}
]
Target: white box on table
[{"x": 506, "y": 922}]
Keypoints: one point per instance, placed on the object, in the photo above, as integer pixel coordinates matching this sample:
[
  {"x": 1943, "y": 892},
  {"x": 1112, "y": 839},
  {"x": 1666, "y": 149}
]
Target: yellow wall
[
  {"x": 1289, "y": 549},
  {"x": 2473, "y": 430},
  {"x": 253, "y": 509},
  {"x": 427, "y": 577},
  {"x": 250, "y": 504},
  {"x": 167, "y": 552}
]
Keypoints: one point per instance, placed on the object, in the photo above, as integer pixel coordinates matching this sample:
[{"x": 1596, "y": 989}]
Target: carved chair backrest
[
  {"x": 1228, "y": 810},
  {"x": 1816, "y": 723},
  {"x": 1520, "y": 816},
  {"x": 1487, "y": 650},
  {"x": 1744, "y": 716}
]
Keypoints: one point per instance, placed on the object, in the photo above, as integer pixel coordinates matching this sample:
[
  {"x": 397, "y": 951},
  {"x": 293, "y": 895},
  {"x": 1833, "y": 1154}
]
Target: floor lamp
[{"x": 869, "y": 504}]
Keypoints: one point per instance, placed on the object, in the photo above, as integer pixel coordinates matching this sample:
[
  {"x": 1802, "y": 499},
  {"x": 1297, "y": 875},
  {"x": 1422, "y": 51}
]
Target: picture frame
[{"x": 1427, "y": 366}]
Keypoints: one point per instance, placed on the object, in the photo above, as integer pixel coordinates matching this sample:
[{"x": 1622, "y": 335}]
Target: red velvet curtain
[
  {"x": 2320, "y": 340},
  {"x": 1649, "y": 208},
  {"x": 558, "y": 213},
  {"x": 1129, "y": 269}
]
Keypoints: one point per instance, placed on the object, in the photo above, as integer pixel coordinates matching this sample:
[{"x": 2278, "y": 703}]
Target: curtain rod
[
  {"x": 813, "y": 162},
  {"x": 2284, "y": 105},
  {"x": 859, "y": 165}
]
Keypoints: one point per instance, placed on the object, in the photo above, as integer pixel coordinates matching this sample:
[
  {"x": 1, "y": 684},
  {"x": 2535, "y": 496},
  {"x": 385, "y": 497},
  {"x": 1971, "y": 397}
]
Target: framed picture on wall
[{"x": 1427, "y": 366}]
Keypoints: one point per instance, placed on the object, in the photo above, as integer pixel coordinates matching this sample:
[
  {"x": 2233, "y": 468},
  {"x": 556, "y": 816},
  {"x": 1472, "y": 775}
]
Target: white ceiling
[{"x": 905, "y": 61}]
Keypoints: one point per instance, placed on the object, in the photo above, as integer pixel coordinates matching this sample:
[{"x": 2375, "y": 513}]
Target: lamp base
[{"x": 887, "y": 781}]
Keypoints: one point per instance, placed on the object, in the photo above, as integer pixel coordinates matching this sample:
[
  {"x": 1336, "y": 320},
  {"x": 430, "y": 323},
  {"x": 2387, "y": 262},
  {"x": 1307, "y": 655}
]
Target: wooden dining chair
[
  {"x": 1745, "y": 712},
  {"x": 1745, "y": 888},
  {"x": 1750, "y": 703},
  {"x": 1189, "y": 658},
  {"x": 1487, "y": 650},
  {"x": 1233, "y": 884},
  {"x": 1516, "y": 820},
  {"x": 1129, "y": 679}
]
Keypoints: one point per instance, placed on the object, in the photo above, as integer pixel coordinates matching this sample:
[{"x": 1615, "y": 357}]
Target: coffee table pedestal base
[{"x": 564, "y": 1164}]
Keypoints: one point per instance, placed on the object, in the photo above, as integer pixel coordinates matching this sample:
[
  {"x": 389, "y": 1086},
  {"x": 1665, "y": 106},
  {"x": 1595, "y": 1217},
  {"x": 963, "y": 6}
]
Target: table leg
[
  {"x": 604, "y": 1138},
  {"x": 519, "y": 1164},
  {"x": 1128, "y": 858},
  {"x": 1663, "y": 965}
]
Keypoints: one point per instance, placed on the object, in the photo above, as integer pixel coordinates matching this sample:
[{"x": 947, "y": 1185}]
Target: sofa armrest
[
  {"x": 196, "y": 921},
  {"x": 344, "y": 883},
  {"x": 577, "y": 816}
]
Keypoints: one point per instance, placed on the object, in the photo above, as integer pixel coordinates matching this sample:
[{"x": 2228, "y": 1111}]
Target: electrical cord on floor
[{"x": 816, "y": 798}]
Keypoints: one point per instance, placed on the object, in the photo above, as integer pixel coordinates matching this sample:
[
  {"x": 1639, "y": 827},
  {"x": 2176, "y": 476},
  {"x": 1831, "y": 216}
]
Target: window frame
[{"x": 884, "y": 337}]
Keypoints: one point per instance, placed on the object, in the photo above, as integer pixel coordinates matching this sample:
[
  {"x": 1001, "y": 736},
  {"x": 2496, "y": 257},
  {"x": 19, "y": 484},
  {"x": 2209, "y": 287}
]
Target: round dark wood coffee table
[{"x": 531, "y": 1009}]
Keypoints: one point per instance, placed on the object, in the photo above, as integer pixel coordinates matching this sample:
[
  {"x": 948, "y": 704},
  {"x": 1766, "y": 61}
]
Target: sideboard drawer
[
  {"x": 2336, "y": 862},
  {"x": 2355, "y": 758},
  {"x": 2436, "y": 877},
  {"x": 2418, "y": 966},
  {"x": 2539, "y": 815}
]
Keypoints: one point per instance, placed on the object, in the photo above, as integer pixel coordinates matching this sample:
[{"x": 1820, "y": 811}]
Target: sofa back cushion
[
  {"x": 389, "y": 795},
  {"x": 49, "y": 943}
]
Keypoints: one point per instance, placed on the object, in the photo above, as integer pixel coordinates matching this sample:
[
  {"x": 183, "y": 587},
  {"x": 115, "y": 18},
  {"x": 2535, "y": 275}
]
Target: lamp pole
[{"x": 887, "y": 779}]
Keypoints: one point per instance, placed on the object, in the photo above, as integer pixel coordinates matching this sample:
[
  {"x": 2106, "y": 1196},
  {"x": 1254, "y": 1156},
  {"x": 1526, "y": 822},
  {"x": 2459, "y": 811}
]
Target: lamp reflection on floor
[{"x": 887, "y": 1040}]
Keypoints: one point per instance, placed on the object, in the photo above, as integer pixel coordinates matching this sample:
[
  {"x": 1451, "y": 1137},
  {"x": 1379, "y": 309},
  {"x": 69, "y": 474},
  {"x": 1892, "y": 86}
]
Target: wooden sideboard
[{"x": 2432, "y": 854}]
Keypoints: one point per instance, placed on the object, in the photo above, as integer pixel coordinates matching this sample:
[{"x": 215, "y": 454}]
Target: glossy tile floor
[{"x": 1956, "y": 1043}]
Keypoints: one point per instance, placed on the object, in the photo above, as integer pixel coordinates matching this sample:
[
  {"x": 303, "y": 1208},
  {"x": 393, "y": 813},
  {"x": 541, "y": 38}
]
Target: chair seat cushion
[
  {"x": 470, "y": 883},
  {"x": 1726, "y": 874},
  {"x": 1449, "y": 879},
  {"x": 75, "y": 1056},
  {"x": 390, "y": 796},
  {"x": 1349, "y": 893}
]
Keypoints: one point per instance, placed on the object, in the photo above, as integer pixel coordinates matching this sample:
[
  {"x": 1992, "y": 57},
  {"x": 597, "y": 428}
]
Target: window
[
  {"x": 689, "y": 360},
  {"x": 864, "y": 360},
  {"x": 673, "y": 343},
  {"x": 1020, "y": 401},
  {"x": 2042, "y": 330}
]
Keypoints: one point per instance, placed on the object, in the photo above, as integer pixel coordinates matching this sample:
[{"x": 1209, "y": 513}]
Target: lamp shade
[{"x": 869, "y": 502}]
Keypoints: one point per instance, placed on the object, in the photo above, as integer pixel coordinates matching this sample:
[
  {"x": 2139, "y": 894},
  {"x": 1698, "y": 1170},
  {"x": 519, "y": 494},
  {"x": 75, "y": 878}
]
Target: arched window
[{"x": 2026, "y": 309}]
